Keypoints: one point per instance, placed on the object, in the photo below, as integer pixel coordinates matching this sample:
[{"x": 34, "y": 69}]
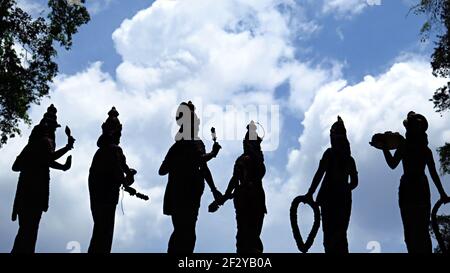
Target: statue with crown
[
  {"x": 33, "y": 187},
  {"x": 108, "y": 173}
]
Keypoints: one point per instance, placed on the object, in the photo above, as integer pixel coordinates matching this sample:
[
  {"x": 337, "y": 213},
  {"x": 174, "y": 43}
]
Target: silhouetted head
[
  {"x": 252, "y": 142},
  {"x": 415, "y": 122},
  {"x": 338, "y": 128},
  {"x": 338, "y": 137},
  {"x": 416, "y": 127},
  {"x": 49, "y": 120},
  {"x": 188, "y": 121},
  {"x": 111, "y": 128},
  {"x": 47, "y": 126}
]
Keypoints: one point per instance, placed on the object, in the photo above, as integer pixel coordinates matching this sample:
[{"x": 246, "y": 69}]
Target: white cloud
[
  {"x": 34, "y": 8},
  {"x": 306, "y": 80},
  {"x": 348, "y": 8},
  {"x": 225, "y": 44},
  {"x": 97, "y": 6}
]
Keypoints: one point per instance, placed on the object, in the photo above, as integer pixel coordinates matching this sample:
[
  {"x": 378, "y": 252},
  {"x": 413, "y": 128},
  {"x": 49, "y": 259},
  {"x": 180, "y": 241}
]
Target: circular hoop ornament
[
  {"x": 435, "y": 225},
  {"x": 304, "y": 246}
]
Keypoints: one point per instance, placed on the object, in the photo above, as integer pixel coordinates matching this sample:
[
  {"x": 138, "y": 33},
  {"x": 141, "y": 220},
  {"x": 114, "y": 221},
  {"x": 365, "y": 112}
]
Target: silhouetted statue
[
  {"x": 186, "y": 164},
  {"x": 414, "y": 191},
  {"x": 109, "y": 171},
  {"x": 246, "y": 190},
  {"x": 335, "y": 194},
  {"x": 33, "y": 188}
]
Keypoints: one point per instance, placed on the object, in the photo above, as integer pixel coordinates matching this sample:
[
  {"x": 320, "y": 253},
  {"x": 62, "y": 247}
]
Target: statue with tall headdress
[
  {"x": 33, "y": 188},
  {"x": 338, "y": 176},
  {"x": 186, "y": 166},
  {"x": 246, "y": 190},
  {"x": 108, "y": 173}
]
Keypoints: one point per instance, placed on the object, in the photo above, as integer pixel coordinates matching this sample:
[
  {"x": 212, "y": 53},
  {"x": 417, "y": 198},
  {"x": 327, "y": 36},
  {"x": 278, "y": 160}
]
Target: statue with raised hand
[
  {"x": 33, "y": 188},
  {"x": 186, "y": 164},
  {"x": 246, "y": 190},
  {"x": 108, "y": 173}
]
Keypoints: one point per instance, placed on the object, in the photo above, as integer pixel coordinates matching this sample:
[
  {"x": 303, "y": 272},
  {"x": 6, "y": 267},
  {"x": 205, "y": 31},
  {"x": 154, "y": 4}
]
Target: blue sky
[
  {"x": 369, "y": 41},
  {"x": 313, "y": 59},
  {"x": 93, "y": 41}
]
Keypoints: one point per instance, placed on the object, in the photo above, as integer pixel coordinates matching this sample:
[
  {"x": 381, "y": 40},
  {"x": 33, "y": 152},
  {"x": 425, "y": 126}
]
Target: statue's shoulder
[
  {"x": 242, "y": 160},
  {"x": 200, "y": 146}
]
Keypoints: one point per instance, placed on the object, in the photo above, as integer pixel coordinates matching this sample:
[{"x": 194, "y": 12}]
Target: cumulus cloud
[{"x": 228, "y": 44}]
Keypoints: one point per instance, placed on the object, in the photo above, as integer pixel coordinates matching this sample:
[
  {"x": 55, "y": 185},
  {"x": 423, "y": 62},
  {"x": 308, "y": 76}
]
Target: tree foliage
[
  {"x": 444, "y": 228},
  {"x": 438, "y": 22},
  {"x": 444, "y": 158},
  {"x": 28, "y": 47}
]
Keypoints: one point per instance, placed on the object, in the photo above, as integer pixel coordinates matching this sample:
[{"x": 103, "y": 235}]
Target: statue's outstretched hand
[
  {"x": 216, "y": 148},
  {"x": 217, "y": 195},
  {"x": 70, "y": 138},
  {"x": 129, "y": 178},
  {"x": 68, "y": 163}
]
